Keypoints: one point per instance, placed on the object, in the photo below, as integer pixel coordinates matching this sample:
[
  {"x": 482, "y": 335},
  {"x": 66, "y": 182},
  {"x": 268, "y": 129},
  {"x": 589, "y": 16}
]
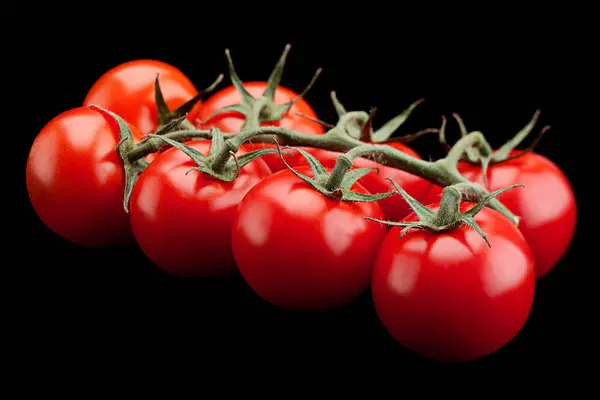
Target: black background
[{"x": 116, "y": 304}]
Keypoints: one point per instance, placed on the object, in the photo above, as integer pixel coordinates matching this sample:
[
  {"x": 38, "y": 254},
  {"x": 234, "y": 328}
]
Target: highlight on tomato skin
[
  {"x": 182, "y": 218},
  {"x": 300, "y": 250},
  {"x": 232, "y": 122},
  {"x": 128, "y": 90},
  {"x": 546, "y": 204},
  {"x": 75, "y": 178},
  {"x": 448, "y": 296}
]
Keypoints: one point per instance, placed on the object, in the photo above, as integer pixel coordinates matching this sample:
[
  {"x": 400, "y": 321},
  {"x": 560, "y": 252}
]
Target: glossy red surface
[
  {"x": 449, "y": 296},
  {"x": 128, "y": 90},
  {"x": 182, "y": 222},
  {"x": 546, "y": 204},
  {"x": 300, "y": 250},
  {"x": 232, "y": 122},
  {"x": 394, "y": 207},
  {"x": 75, "y": 179}
]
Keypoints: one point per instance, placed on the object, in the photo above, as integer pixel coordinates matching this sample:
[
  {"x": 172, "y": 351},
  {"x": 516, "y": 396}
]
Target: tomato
[
  {"x": 300, "y": 250},
  {"x": 75, "y": 179},
  {"x": 394, "y": 207},
  {"x": 182, "y": 222},
  {"x": 448, "y": 296},
  {"x": 128, "y": 90},
  {"x": 232, "y": 122},
  {"x": 546, "y": 205}
]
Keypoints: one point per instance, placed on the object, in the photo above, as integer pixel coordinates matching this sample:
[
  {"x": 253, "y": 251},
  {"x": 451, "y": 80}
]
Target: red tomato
[
  {"x": 300, "y": 250},
  {"x": 449, "y": 296},
  {"x": 75, "y": 178},
  {"x": 546, "y": 204},
  {"x": 128, "y": 90},
  {"x": 394, "y": 207},
  {"x": 182, "y": 222},
  {"x": 232, "y": 122}
]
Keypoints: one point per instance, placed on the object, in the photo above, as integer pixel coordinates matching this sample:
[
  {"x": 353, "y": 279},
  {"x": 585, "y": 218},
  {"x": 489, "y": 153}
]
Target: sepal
[
  {"x": 448, "y": 216},
  {"x": 261, "y": 109},
  {"x": 231, "y": 169},
  {"x": 132, "y": 169},
  {"x": 321, "y": 176},
  {"x": 165, "y": 116}
]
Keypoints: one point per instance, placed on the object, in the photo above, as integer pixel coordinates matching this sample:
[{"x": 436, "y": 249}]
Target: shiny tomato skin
[
  {"x": 183, "y": 222},
  {"x": 546, "y": 204},
  {"x": 232, "y": 122},
  {"x": 394, "y": 207},
  {"x": 300, "y": 250},
  {"x": 128, "y": 90},
  {"x": 449, "y": 297},
  {"x": 75, "y": 178}
]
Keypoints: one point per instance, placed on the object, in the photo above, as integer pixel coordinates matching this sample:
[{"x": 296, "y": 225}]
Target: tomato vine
[
  {"x": 442, "y": 172},
  {"x": 256, "y": 165},
  {"x": 352, "y": 135}
]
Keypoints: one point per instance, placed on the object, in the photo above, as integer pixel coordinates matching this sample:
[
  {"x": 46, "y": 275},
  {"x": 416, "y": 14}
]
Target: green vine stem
[
  {"x": 474, "y": 140},
  {"x": 442, "y": 172}
]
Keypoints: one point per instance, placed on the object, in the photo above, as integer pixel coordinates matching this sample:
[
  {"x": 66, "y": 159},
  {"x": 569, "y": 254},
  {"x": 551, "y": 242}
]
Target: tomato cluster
[{"x": 446, "y": 294}]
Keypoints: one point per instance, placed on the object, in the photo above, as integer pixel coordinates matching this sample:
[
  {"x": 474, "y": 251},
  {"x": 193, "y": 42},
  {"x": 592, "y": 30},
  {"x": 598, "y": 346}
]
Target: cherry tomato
[
  {"x": 182, "y": 222},
  {"x": 128, "y": 90},
  {"x": 448, "y": 296},
  {"x": 232, "y": 122},
  {"x": 546, "y": 205},
  {"x": 394, "y": 207},
  {"x": 75, "y": 178},
  {"x": 300, "y": 250}
]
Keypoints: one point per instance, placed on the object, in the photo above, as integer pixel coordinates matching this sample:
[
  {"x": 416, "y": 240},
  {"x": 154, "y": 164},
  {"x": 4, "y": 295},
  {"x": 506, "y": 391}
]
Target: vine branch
[{"x": 442, "y": 172}]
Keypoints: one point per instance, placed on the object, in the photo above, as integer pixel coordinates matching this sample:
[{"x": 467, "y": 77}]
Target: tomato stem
[
  {"x": 260, "y": 107},
  {"x": 449, "y": 210},
  {"x": 448, "y": 216},
  {"x": 474, "y": 140},
  {"x": 349, "y": 123},
  {"x": 442, "y": 172},
  {"x": 343, "y": 164},
  {"x": 152, "y": 145}
]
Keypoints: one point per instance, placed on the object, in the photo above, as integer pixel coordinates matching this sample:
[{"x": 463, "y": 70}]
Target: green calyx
[
  {"x": 448, "y": 216},
  {"x": 227, "y": 171},
  {"x": 263, "y": 108},
  {"x": 361, "y": 128},
  {"x": 334, "y": 186},
  {"x": 133, "y": 169},
  {"x": 165, "y": 116},
  {"x": 502, "y": 154}
]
